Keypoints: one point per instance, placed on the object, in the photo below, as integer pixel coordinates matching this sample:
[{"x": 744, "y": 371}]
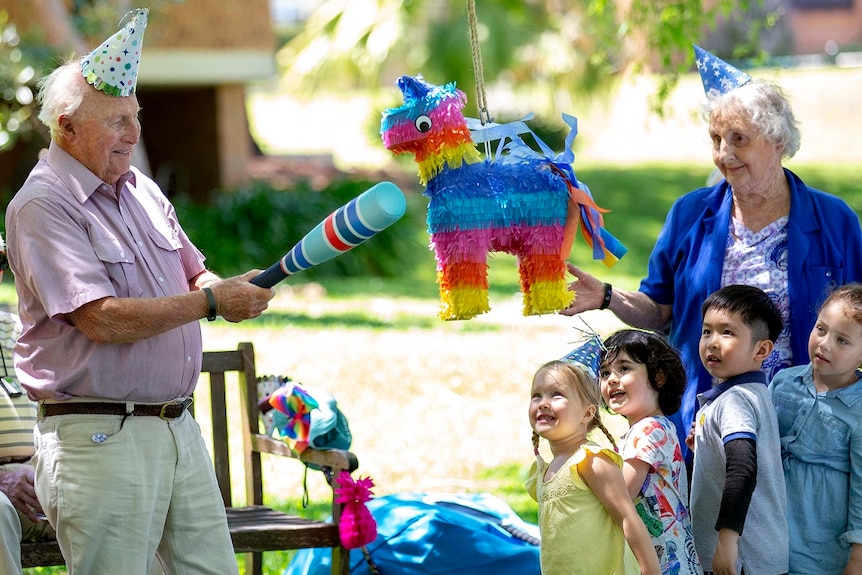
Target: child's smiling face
[
  {"x": 626, "y": 387},
  {"x": 557, "y": 412}
]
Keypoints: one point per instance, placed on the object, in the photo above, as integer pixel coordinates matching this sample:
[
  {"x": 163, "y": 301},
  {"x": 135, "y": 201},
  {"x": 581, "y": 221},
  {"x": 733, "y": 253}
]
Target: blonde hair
[{"x": 582, "y": 384}]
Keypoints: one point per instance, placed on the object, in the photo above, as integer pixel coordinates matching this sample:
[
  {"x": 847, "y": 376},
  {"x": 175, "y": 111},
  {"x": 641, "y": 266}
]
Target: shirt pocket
[
  {"x": 119, "y": 264},
  {"x": 828, "y": 276},
  {"x": 829, "y": 437},
  {"x": 165, "y": 238},
  {"x": 167, "y": 252},
  {"x": 787, "y": 408}
]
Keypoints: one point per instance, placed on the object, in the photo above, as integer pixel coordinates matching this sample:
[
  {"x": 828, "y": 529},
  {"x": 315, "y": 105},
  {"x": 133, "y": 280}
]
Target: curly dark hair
[{"x": 664, "y": 366}]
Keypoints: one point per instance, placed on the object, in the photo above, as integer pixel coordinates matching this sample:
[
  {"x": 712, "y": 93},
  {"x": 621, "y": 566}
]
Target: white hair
[
  {"x": 61, "y": 93},
  {"x": 766, "y": 108}
]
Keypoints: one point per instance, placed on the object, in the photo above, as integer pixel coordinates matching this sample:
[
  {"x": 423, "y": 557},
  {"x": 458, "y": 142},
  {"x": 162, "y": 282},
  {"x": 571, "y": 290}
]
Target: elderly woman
[{"x": 760, "y": 226}]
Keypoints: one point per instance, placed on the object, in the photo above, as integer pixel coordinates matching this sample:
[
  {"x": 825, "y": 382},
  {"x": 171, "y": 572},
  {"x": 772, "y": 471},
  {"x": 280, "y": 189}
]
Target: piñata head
[
  {"x": 522, "y": 202},
  {"x": 430, "y": 125}
]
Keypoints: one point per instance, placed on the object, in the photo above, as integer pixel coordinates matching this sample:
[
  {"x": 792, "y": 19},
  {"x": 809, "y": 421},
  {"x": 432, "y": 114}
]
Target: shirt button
[
  {"x": 189, "y": 359},
  {"x": 161, "y": 280}
]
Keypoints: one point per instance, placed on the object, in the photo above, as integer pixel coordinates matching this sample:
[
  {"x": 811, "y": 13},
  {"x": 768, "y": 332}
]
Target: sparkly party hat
[
  {"x": 587, "y": 355},
  {"x": 113, "y": 66},
  {"x": 718, "y": 76}
]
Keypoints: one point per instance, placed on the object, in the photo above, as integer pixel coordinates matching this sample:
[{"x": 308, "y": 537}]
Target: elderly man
[{"x": 110, "y": 291}]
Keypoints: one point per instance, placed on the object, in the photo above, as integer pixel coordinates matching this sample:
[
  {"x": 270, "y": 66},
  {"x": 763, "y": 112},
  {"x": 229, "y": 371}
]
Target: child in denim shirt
[{"x": 819, "y": 409}]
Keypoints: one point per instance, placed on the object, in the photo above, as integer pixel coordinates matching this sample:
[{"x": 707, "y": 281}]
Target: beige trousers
[{"x": 120, "y": 491}]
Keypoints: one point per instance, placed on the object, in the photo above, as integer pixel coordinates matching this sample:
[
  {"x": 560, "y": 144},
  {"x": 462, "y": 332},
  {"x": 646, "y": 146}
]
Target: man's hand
[
  {"x": 17, "y": 485},
  {"x": 238, "y": 299}
]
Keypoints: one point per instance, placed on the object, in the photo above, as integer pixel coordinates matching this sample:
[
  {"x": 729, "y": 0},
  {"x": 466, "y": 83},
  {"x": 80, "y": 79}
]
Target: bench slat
[
  {"x": 252, "y": 529},
  {"x": 263, "y": 529},
  {"x": 41, "y": 554}
]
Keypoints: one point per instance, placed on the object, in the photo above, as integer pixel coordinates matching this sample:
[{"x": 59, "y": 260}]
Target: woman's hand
[
  {"x": 589, "y": 291},
  {"x": 633, "y": 308}
]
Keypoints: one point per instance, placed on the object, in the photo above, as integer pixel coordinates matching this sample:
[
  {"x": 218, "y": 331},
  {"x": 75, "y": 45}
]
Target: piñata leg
[
  {"x": 463, "y": 290},
  {"x": 462, "y": 273},
  {"x": 543, "y": 283}
]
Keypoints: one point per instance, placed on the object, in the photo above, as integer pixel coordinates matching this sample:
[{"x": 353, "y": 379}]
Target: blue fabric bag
[{"x": 451, "y": 534}]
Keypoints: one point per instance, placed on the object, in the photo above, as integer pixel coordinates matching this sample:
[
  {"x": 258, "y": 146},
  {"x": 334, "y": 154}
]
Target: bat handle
[{"x": 269, "y": 277}]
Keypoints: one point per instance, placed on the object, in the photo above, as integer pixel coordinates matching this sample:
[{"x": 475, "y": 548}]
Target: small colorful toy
[
  {"x": 521, "y": 202},
  {"x": 295, "y": 405}
]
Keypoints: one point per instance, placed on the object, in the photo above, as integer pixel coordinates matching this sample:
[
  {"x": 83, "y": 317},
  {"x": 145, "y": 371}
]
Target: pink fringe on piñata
[{"x": 357, "y": 526}]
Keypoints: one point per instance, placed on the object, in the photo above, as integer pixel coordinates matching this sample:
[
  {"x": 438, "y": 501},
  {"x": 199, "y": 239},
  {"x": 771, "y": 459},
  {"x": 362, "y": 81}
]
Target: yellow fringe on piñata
[
  {"x": 463, "y": 290},
  {"x": 543, "y": 284},
  {"x": 453, "y": 155},
  {"x": 463, "y": 303},
  {"x": 547, "y": 297}
]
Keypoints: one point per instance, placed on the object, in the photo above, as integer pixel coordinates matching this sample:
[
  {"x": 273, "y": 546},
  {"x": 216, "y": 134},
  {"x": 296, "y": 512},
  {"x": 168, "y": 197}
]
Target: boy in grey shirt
[{"x": 738, "y": 478}]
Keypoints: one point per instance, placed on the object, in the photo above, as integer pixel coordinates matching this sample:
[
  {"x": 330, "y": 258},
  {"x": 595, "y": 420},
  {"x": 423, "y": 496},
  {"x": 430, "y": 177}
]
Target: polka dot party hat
[
  {"x": 113, "y": 66},
  {"x": 586, "y": 356}
]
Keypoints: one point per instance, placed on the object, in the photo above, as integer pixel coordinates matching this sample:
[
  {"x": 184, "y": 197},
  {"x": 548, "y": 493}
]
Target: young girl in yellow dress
[{"x": 587, "y": 521}]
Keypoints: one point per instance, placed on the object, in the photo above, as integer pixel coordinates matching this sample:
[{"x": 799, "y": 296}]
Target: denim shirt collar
[
  {"x": 716, "y": 390},
  {"x": 849, "y": 395}
]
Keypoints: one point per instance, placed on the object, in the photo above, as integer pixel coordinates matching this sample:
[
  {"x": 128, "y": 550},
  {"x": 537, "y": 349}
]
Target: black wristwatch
[
  {"x": 212, "y": 312},
  {"x": 609, "y": 292}
]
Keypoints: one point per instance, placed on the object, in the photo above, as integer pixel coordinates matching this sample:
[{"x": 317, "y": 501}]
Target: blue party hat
[
  {"x": 587, "y": 355},
  {"x": 718, "y": 76}
]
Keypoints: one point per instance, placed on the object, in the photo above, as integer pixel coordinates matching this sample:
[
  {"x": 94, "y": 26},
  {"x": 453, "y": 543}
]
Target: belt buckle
[{"x": 179, "y": 405}]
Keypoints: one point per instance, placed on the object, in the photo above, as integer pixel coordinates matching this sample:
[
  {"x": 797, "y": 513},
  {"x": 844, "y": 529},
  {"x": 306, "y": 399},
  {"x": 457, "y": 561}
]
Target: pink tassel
[{"x": 357, "y": 526}]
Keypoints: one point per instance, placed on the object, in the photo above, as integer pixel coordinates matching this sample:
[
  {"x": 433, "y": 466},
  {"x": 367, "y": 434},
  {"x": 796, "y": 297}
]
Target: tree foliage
[
  {"x": 17, "y": 72},
  {"x": 564, "y": 47}
]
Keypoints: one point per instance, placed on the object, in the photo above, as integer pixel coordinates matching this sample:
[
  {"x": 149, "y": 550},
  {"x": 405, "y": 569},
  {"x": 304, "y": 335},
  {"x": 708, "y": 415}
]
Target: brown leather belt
[{"x": 171, "y": 410}]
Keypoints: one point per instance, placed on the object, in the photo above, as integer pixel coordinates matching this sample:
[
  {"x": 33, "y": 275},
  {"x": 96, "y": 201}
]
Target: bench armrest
[{"x": 337, "y": 459}]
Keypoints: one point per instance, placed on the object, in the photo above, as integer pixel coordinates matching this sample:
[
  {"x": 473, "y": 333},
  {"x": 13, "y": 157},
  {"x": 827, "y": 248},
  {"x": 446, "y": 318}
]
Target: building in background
[{"x": 198, "y": 58}]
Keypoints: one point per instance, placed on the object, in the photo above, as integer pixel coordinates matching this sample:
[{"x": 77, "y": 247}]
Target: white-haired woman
[{"x": 760, "y": 225}]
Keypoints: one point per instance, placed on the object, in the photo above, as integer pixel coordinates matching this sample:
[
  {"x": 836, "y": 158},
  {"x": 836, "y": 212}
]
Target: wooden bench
[{"x": 254, "y": 528}]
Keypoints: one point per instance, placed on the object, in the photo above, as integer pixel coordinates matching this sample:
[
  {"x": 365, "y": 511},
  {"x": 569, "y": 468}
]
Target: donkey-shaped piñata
[{"x": 522, "y": 203}]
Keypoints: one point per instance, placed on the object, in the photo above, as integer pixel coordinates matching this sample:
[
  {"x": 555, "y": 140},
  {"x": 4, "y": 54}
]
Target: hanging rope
[{"x": 478, "y": 72}]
